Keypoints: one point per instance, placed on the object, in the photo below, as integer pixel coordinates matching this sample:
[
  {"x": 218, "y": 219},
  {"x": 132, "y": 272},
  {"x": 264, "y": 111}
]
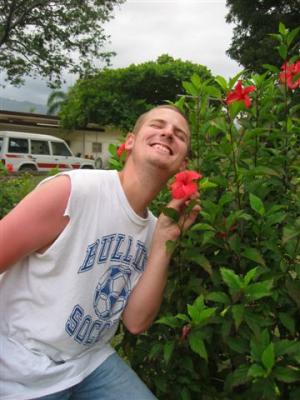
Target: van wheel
[{"x": 27, "y": 168}]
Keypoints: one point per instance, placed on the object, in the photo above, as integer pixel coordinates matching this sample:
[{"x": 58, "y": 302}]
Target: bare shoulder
[{"x": 35, "y": 222}]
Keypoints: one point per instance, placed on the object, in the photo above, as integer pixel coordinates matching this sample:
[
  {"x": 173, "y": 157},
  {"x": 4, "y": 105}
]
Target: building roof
[{"x": 32, "y": 119}]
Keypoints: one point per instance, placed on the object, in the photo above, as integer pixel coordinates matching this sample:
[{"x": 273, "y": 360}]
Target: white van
[{"x": 23, "y": 151}]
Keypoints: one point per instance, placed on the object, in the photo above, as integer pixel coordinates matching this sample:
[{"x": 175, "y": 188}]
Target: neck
[{"x": 141, "y": 187}]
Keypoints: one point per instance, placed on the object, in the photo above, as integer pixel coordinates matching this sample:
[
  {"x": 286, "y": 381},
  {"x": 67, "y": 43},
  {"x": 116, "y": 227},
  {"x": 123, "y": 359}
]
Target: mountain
[{"x": 22, "y": 106}]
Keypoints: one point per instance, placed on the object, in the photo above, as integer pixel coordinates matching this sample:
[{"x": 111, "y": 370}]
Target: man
[{"x": 81, "y": 251}]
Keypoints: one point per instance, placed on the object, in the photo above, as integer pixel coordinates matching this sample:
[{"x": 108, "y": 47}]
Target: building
[{"x": 92, "y": 141}]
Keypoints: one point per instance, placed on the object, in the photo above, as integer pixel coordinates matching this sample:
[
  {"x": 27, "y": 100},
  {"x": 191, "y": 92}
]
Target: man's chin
[{"x": 163, "y": 166}]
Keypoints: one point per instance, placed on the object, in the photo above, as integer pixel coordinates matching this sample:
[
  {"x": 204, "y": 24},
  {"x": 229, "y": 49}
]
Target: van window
[
  {"x": 39, "y": 147},
  {"x": 1, "y": 142},
  {"x": 17, "y": 145},
  {"x": 60, "y": 149}
]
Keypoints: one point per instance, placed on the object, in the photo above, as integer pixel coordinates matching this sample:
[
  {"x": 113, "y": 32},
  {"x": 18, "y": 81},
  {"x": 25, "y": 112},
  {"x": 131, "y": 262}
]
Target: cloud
[{"x": 142, "y": 30}]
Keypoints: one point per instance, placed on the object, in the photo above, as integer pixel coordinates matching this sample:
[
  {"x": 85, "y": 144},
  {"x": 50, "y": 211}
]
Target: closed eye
[
  {"x": 156, "y": 125},
  {"x": 181, "y": 135}
]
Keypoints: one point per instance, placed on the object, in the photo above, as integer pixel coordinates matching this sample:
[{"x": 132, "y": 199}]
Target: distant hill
[{"x": 22, "y": 106}]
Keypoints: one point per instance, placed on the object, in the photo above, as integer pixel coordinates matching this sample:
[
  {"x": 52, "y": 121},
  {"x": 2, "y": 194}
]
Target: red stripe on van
[
  {"x": 75, "y": 166},
  {"x": 12, "y": 156},
  {"x": 52, "y": 165}
]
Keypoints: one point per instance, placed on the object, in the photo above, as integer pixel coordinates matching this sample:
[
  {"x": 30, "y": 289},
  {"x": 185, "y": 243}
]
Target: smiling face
[{"x": 162, "y": 139}]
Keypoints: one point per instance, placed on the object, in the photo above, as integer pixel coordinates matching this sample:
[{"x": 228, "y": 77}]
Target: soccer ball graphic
[{"x": 111, "y": 293}]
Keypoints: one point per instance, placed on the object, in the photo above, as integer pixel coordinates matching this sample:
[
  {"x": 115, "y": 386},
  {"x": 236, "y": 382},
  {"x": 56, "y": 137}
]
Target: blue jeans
[{"x": 113, "y": 380}]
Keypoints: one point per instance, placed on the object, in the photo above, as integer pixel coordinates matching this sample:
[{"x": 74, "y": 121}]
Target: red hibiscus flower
[
  {"x": 185, "y": 184},
  {"x": 240, "y": 93},
  {"x": 121, "y": 149},
  {"x": 9, "y": 167},
  {"x": 288, "y": 74}
]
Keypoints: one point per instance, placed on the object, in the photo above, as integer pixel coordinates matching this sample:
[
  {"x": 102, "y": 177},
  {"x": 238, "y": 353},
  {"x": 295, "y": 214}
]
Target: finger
[
  {"x": 178, "y": 204},
  {"x": 191, "y": 218}
]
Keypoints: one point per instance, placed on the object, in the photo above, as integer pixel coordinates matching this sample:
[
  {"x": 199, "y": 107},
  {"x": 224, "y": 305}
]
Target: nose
[{"x": 167, "y": 132}]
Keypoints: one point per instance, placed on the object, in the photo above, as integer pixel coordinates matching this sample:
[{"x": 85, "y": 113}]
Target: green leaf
[
  {"x": 238, "y": 311},
  {"x": 268, "y": 357},
  {"x": 263, "y": 171},
  {"x": 171, "y": 213},
  {"x": 180, "y": 103},
  {"x": 205, "y": 184},
  {"x": 222, "y": 83},
  {"x": 196, "y": 81},
  {"x": 289, "y": 347},
  {"x": 238, "y": 345},
  {"x": 290, "y": 233},
  {"x": 207, "y": 237},
  {"x": 256, "y": 204},
  {"x": 288, "y": 321},
  {"x": 286, "y": 374},
  {"x": 235, "y": 108},
  {"x": 291, "y": 36},
  {"x": 257, "y": 348},
  {"x": 185, "y": 394},
  {"x": 232, "y": 280},
  {"x": 203, "y": 262},
  {"x": 251, "y": 275},
  {"x": 226, "y": 198},
  {"x": 282, "y": 50},
  {"x": 182, "y": 317},
  {"x": 197, "y": 344},
  {"x": 112, "y": 148},
  {"x": 206, "y": 314},
  {"x": 202, "y": 227},
  {"x": 114, "y": 163},
  {"x": 169, "y": 321},
  {"x": 253, "y": 255},
  {"x": 213, "y": 92},
  {"x": 220, "y": 124},
  {"x": 256, "y": 371},
  {"x": 293, "y": 290},
  {"x": 156, "y": 350},
  {"x": 276, "y": 218},
  {"x": 282, "y": 29},
  {"x": 168, "y": 351},
  {"x": 271, "y": 68},
  {"x": 259, "y": 290},
  {"x": 238, "y": 377},
  {"x": 190, "y": 89},
  {"x": 199, "y": 316},
  {"x": 218, "y": 297},
  {"x": 193, "y": 312},
  {"x": 276, "y": 36}
]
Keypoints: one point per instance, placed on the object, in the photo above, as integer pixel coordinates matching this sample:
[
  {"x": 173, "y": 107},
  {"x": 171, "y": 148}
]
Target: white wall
[{"x": 82, "y": 142}]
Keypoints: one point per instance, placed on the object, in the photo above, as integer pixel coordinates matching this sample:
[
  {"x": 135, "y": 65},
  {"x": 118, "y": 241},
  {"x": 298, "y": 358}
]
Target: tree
[
  {"x": 118, "y": 96},
  {"x": 254, "y": 20},
  {"x": 44, "y": 37},
  {"x": 55, "y": 101}
]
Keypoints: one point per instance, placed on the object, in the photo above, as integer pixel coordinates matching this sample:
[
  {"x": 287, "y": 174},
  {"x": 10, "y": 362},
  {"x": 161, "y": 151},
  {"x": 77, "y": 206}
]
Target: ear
[{"x": 129, "y": 141}]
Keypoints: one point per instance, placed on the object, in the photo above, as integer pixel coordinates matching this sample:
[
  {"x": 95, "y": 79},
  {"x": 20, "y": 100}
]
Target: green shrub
[
  {"x": 229, "y": 325},
  {"x": 14, "y": 187}
]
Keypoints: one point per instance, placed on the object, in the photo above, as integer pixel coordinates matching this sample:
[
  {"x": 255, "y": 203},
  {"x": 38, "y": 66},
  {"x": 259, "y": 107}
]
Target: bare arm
[
  {"x": 35, "y": 222},
  {"x": 145, "y": 300}
]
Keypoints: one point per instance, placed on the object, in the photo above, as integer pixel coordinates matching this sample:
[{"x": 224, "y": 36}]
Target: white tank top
[{"x": 60, "y": 309}]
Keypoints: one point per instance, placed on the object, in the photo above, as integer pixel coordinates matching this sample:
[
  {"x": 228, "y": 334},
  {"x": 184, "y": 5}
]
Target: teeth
[{"x": 162, "y": 148}]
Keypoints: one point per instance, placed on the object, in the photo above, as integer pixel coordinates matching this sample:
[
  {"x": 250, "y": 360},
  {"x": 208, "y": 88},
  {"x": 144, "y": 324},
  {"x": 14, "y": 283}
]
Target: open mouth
[{"x": 162, "y": 148}]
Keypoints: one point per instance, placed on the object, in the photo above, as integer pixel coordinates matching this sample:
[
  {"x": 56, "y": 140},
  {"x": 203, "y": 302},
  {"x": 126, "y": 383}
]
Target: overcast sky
[{"x": 142, "y": 30}]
